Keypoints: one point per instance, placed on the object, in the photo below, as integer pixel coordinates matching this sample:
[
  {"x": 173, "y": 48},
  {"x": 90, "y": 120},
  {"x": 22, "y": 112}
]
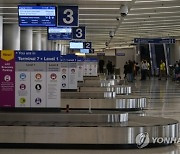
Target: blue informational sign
[
  {"x": 91, "y": 60},
  {"x": 76, "y": 45},
  {"x": 59, "y": 33},
  {"x": 84, "y": 50},
  {"x": 91, "y": 50},
  {"x": 154, "y": 40},
  {"x": 101, "y": 54},
  {"x": 79, "y": 33},
  {"x": 80, "y": 59},
  {"x": 63, "y": 58},
  {"x": 87, "y": 45},
  {"x": 37, "y": 16},
  {"x": 68, "y": 16},
  {"x": 69, "y": 58},
  {"x": 37, "y": 56},
  {"x": 120, "y": 54}
]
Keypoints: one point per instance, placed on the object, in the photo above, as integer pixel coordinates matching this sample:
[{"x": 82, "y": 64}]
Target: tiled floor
[{"x": 164, "y": 101}]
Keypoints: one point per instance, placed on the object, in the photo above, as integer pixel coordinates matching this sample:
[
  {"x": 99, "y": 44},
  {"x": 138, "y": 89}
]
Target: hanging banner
[
  {"x": 23, "y": 81},
  {"x": 72, "y": 59},
  {"x": 80, "y": 68},
  {"x": 7, "y": 78},
  {"x": 68, "y": 16},
  {"x": 37, "y": 79},
  {"x": 154, "y": 40},
  {"x": 53, "y": 84},
  {"x": 90, "y": 67},
  {"x": 79, "y": 33},
  {"x": 38, "y": 85},
  {"x": 64, "y": 73}
]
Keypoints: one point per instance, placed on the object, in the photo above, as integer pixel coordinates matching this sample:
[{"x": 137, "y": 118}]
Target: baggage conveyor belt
[{"x": 71, "y": 130}]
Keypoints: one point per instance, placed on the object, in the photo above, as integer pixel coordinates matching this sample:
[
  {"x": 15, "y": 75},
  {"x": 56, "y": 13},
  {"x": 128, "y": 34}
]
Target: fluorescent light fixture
[
  {"x": 99, "y": 8},
  {"x": 154, "y": 13},
  {"x": 8, "y": 7},
  {"x": 10, "y": 19},
  {"x": 154, "y": 1},
  {"x": 150, "y": 8},
  {"x": 80, "y": 54},
  {"x": 97, "y": 19},
  {"x": 8, "y": 13}
]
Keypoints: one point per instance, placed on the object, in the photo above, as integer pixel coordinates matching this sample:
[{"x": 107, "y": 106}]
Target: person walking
[
  {"x": 101, "y": 66},
  {"x": 109, "y": 67},
  {"x": 162, "y": 70}
]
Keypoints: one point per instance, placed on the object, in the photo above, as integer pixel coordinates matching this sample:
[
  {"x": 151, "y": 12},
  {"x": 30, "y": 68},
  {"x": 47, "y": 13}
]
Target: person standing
[
  {"x": 162, "y": 70},
  {"x": 144, "y": 68},
  {"x": 101, "y": 66},
  {"x": 125, "y": 69},
  {"x": 109, "y": 67}
]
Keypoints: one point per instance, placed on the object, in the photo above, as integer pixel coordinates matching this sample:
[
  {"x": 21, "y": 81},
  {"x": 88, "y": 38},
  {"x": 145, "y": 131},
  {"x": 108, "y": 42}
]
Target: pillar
[
  {"x": 37, "y": 41},
  {"x": 44, "y": 45},
  {"x": 11, "y": 37},
  {"x": 49, "y": 45},
  {"x": 26, "y": 39},
  {"x": 54, "y": 46}
]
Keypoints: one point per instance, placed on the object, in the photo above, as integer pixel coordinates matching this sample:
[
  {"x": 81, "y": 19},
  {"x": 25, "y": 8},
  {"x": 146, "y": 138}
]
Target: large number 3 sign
[
  {"x": 68, "y": 16},
  {"x": 79, "y": 32}
]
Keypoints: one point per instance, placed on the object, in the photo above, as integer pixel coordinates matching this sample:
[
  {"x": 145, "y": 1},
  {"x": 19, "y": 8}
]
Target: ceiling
[{"x": 146, "y": 19}]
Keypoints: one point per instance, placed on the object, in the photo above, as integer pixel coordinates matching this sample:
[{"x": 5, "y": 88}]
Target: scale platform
[{"x": 82, "y": 130}]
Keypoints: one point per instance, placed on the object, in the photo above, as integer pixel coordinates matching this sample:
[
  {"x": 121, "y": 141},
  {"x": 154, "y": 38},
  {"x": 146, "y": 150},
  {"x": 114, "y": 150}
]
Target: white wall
[
  {"x": 177, "y": 51},
  {"x": 121, "y": 60}
]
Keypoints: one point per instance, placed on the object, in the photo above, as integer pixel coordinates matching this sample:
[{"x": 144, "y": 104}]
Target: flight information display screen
[
  {"x": 59, "y": 33},
  {"x": 76, "y": 45},
  {"x": 37, "y": 16}
]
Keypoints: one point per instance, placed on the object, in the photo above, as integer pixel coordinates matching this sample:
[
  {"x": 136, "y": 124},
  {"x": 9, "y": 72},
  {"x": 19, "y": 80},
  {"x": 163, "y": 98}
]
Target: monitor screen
[
  {"x": 59, "y": 33},
  {"x": 37, "y": 16},
  {"x": 76, "y": 45},
  {"x": 84, "y": 50}
]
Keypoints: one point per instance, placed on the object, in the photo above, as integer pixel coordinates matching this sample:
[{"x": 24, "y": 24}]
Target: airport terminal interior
[{"x": 89, "y": 76}]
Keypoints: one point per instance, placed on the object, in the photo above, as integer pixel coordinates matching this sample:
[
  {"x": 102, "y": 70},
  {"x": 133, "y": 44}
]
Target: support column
[
  {"x": 49, "y": 45},
  {"x": 44, "y": 45},
  {"x": 26, "y": 39},
  {"x": 1, "y": 32},
  {"x": 11, "y": 37},
  {"x": 177, "y": 51},
  {"x": 37, "y": 41},
  {"x": 54, "y": 46}
]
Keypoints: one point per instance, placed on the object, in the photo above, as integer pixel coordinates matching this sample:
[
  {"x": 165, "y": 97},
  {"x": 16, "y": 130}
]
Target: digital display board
[
  {"x": 76, "y": 45},
  {"x": 37, "y": 16},
  {"x": 84, "y": 51},
  {"x": 59, "y": 33}
]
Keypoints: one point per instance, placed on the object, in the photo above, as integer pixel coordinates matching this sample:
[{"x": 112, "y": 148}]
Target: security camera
[
  {"x": 123, "y": 10},
  {"x": 117, "y": 18},
  {"x": 111, "y": 33}
]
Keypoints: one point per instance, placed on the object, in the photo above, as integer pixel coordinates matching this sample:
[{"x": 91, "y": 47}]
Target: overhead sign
[
  {"x": 120, "y": 53},
  {"x": 41, "y": 16},
  {"x": 59, "y": 33},
  {"x": 154, "y": 40},
  {"x": 7, "y": 78},
  {"x": 101, "y": 54},
  {"x": 87, "y": 45},
  {"x": 79, "y": 33},
  {"x": 68, "y": 16}
]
